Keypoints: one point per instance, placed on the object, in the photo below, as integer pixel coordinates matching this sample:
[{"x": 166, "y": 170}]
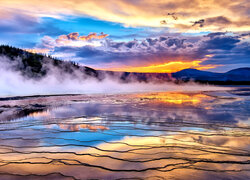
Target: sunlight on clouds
[
  {"x": 184, "y": 15},
  {"x": 38, "y": 50},
  {"x": 48, "y": 43},
  {"x": 78, "y": 43},
  {"x": 73, "y": 39},
  {"x": 169, "y": 67}
]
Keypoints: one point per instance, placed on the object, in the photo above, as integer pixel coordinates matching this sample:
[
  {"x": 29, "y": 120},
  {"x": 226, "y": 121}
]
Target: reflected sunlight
[{"x": 176, "y": 98}]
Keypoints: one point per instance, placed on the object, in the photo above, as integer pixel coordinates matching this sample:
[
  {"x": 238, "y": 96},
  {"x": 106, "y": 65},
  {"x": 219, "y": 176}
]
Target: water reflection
[
  {"x": 78, "y": 127},
  {"x": 175, "y": 98},
  {"x": 153, "y": 136}
]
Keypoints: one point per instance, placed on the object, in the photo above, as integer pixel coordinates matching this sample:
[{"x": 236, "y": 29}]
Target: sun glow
[
  {"x": 169, "y": 67},
  {"x": 38, "y": 50}
]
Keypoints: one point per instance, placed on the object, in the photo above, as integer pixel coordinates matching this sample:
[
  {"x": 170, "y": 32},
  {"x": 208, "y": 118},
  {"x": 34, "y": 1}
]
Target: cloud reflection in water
[{"x": 155, "y": 135}]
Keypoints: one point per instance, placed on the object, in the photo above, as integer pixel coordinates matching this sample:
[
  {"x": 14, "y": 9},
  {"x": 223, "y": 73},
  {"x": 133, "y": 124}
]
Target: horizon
[{"x": 47, "y": 55}]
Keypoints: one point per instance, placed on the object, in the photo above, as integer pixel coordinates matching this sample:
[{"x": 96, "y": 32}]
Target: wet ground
[{"x": 169, "y": 135}]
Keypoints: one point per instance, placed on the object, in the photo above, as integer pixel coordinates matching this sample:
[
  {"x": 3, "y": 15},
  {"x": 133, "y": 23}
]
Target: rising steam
[{"x": 13, "y": 83}]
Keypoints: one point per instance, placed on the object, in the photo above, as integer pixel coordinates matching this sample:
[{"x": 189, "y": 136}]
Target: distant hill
[
  {"x": 37, "y": 66},
  {"x": 240, "y": 74},
  {"x": 235, "y": 76}
]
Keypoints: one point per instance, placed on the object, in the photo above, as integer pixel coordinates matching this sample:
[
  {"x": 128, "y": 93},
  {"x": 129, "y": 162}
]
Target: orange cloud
[
  {"x": 169, "y": 67},
  {"x": 74, "y": 36},
  {"x": 92, "y": 36},
  {"x": 179, "y": 15},
  {"x": 38, "y": 50}
]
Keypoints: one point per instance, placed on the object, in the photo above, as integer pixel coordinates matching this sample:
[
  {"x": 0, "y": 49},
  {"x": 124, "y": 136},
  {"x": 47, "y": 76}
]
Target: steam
[{"x": 13, "y": 83}]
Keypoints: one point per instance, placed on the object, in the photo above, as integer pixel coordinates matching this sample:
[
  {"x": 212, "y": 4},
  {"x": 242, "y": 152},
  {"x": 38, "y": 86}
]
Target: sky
[{"x": 132, "y": 35}]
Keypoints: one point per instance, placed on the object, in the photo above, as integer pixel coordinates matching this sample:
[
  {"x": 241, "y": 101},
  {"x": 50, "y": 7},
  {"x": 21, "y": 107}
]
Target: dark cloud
[
  {"x": 179, "y": 43},
  {"x": 221, "y": 43},
  {"x": 73, "y": 36},
  {"x": 212, "y": 35},
  {"x": 200, "y": 23},
  {"x": 245, "y": 35},
  {"x": 173, "y": 15},
  {"x": 162, "y": 39},
  {"x": 163, "y": 22},
  {"x": 227, "y": 50},
  {"x": 218, "y": 20}
]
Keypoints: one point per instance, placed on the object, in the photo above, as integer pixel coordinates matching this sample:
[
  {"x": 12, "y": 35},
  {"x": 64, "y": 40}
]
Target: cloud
[
  {"x": 38, "y": 50},
  {"x": 200, "y": 23},
  {"x": 93, "y": 36},
  {"x": 134, "y": 53},
  {"x": 227, "y": 50},
  {"x": 73, "y": 39},
  {"x": 205, "y": 52},
  {"x": 48, "y": 42},
  {"x": 231, "y": 56},
  {"x": 221, "y": 43},
  {"x": 177, "y": 15},
  {"x": 218, "y": 20},
  {"x": 71, "y": 36},
  {"x": 20, "y": 22},
  {"x": 67, "y": 39}
]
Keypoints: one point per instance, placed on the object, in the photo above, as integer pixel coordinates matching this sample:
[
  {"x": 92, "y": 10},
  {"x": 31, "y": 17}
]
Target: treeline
[{"x": 36, "y": 65}]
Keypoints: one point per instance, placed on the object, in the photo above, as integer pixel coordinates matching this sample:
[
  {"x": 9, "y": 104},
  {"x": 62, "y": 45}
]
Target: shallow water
[{"x": 172, "y": 135}]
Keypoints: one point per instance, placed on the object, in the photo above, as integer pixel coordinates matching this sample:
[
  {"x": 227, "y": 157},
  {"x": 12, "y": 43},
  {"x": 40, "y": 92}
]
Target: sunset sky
[{"x": 132, "y": 35}]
